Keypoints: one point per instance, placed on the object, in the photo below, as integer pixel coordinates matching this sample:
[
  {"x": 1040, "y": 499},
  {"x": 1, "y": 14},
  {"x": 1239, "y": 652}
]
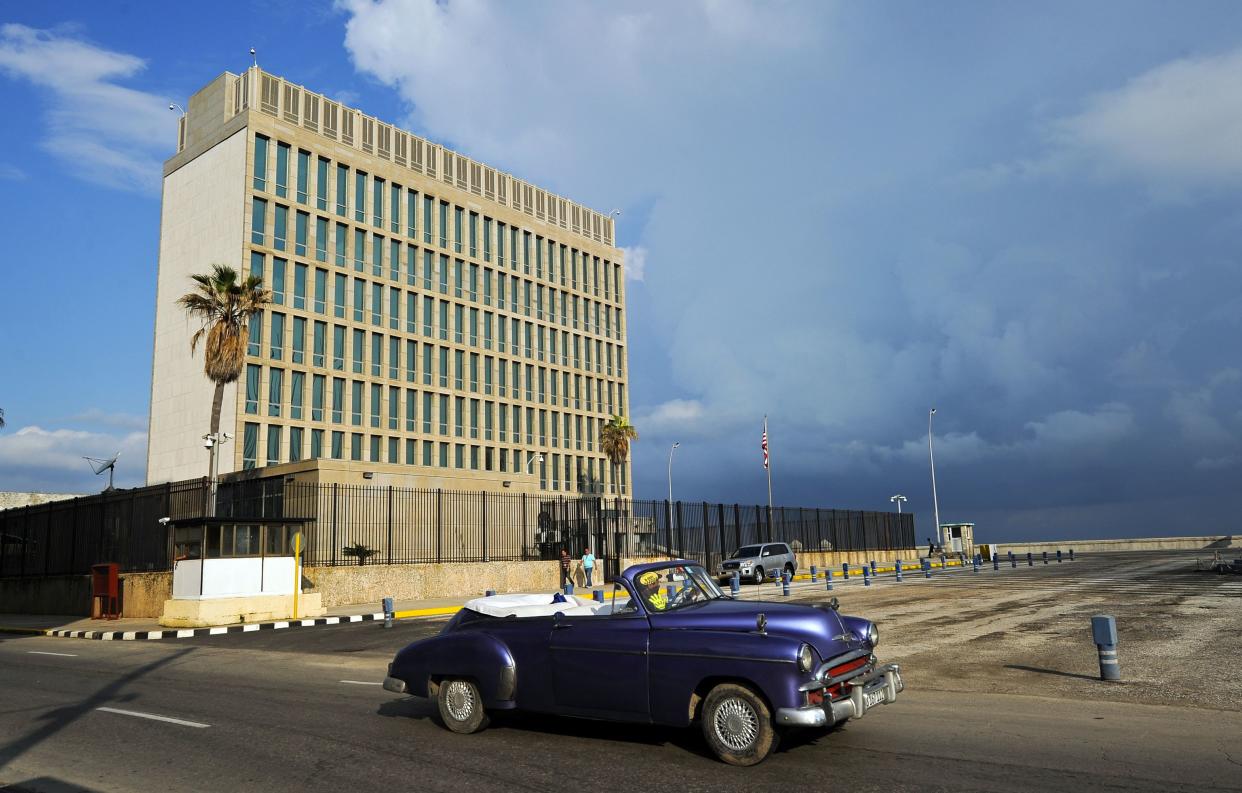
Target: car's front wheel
[
  {"x": 461, "y": 705},
  {"x": 758, "y": 575},
  {"x": 738, "y": 725}
]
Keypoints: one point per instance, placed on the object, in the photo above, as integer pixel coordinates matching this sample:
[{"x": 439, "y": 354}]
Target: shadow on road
[
  {"x": 45, "y": 784},
  {"x": 56, "y": 720},
  {"x": 1056, "y": 672}
]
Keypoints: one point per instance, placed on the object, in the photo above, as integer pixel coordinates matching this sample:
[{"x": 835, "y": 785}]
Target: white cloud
[
  {"x": 1179, "y": 122},
  {"x": 1216, "y": 463},
  {"x": 635, "y": 262},
  {"x": 126, "y": 421},
  {"x": 43, "y": 460},
  {"x": 11, "y": 173},
  {"x": 107, "y": 133},
  {"x": 672, "y": 416},
  {"x": 1194, "y": 412}
]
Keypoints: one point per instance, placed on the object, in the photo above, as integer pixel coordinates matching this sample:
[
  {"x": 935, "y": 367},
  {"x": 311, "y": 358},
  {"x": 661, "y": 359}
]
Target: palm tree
[
  {"x": 614, "y": 440},
  {"x": 1, "y": 418},
  {"x": 224, "y": 306}
]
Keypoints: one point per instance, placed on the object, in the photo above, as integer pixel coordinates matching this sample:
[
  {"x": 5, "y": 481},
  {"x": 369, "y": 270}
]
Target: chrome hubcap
[
  {"x": 737, "y": 725},
  {"x": 459, "y": 699}
]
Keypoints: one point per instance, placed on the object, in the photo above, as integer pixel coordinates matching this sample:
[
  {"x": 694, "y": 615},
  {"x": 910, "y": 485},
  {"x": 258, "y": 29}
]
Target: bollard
[
  {"x": 866, "y": 576},
  {"x": 1058, "y": 555},
  {"x": 898, "y": 571},
  {"x": 569, "y": 589},
  {"x": 1045, "y": 557},
  {"x": 785, "y": 583},
  {"x": 1071, "y": 554},
  {"x": 1012, "y": 561},
  {"x": 734, "y": 586},
  {"x": 942, "y": 561},
  {"x": 927, "y": 568},
  {"x": 873, "y": 567},
  {"x": 845, "y": 570},
  {"x": 387, "y": 612},
  {"x": 1104, "y": 633},
  {"x": 1030, "y": 559},
  {"x": 976, "y": 562},
  {"x": 829, "y": 578},
  {"x": 490, "y": 593},
  {"x": 814, "y": 574},
  {"x": 598, "y": 595}
]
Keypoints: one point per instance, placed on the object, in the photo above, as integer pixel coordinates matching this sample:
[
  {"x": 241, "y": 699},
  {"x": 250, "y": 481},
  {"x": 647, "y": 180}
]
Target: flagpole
[{"x": 767, "y": 460}]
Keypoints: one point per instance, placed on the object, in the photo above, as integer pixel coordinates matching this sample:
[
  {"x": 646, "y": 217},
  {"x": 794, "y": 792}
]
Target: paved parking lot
[{"x": 1001, "y": 696}]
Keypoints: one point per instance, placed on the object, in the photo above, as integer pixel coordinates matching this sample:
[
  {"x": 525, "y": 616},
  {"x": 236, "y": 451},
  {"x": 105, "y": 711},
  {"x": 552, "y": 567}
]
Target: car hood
[{"x": 819, "y": 626}]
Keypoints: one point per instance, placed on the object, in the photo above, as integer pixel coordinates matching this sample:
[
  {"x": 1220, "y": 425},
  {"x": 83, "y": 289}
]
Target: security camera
[
  {"x": 228, "y": 436},
  {"x": 165, "y": 521},
  {"x": 208, "y": 443}
]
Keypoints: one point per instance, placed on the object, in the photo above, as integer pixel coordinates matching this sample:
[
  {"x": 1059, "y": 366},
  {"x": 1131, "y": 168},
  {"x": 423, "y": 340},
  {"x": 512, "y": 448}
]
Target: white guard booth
[{"x": 231, "y": 570}]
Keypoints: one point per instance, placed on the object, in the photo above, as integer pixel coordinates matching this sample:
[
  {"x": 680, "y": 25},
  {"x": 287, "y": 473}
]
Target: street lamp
[
  {"x": 897, "y": 499},
  {"x": 536, "y": 457},
  {"x": 210, "y": 441},
  {"x": 931, "y": 455},
  {"x": 670, "y": 471},
  {"x": 176, "y": 107}
]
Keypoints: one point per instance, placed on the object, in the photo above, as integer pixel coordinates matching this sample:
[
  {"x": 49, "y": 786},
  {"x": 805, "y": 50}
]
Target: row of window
[
  {"x": 556, "y": 471},
  {"x": 371, "y": 197},
  {"x": 300, "y": 287},
  {"x": 339, "y": 401}
]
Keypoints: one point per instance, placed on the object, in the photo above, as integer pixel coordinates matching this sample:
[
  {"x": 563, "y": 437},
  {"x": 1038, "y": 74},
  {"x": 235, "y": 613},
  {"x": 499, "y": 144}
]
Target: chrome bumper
[
  {"x": 394, "y": 685},
  {"x": 880, "y": 686}
]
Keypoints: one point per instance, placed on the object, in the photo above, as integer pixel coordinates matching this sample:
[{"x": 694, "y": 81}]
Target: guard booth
[
  {"x": 231, "y": 569},
  {"x": 958, "y": 538}
]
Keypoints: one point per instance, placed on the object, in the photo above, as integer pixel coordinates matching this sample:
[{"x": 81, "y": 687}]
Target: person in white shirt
[{"x": 588, "y": 565}]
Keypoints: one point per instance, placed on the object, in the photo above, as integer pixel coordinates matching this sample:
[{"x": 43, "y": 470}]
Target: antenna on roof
[{"x": 100, "y": 465}]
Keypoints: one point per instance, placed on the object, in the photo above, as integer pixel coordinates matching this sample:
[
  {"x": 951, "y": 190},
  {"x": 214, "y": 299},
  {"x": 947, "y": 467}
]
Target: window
[
  {"x": 258, "y": 222},
  {"x": 355, "y": 413},
  {"x": 457, "y": 230},
  {"x": 360, "y": 196},
  {"x": 474, "y": 235},
  {"x": 360, "y": 297},
  {"x": 377, "y": 255},
  {"x": 339, "y": 292},
  {"x": 295, "y": 444},
  {"x": 260, "y": 162},
  {"x": 394, "y": 208},
  {"x": 377, "y": 202},
  {"x": 320, "y": 342},
  {"x": 280, "y": 228},
  {"x": 427, "y": 413},
  {"x": 487, "y": 239},
  {"x": 278, "y": 280},
  {"x": 300, "y": 230},
  {"x": 428, "y": 352},
  {"x": 411, "y": 357},
  {"x": 321, "y": 290},
  {"x": 317, "y": 395},
  {"x": 428, "y": 204},
  {"x": 342, "y": 233},
  {"x": 427, "y": 316},
  {"x": 299, "y": 285},
  {"x": 321, "y": 239},
  {"x": 444, "y": 367},
  {"x": 394, "y": 356},
  {"x": 275, "y": 384},
  {"x": 338, "y": 402},
  {"x": 250, "y": 446},
  {"x": 360, "y": 250},
  {"x": 359, "y": 349},
  {"x": 377, "y": 354},
  {"x": 377, "y": 304},
  {"x": 316, "y": 445},
  {"x": 303, "y": 175},
  {"x": 282, "y": 169},
  {"x": 342, "y": 189},
  {"x": 444, "y": 415},
  {"x": 299, "y": 340},
  {"x": 252, "y": 388},
  {"x": 411, "y": 213},
  {"x": 411, "y": 302},
  {"x": 394, "y": 406},
  {"x": 296, "y": 383},
  {"x": 376, "y": 400},
  {"x": 278, "y": 336},
  {"x": 355, "y": 446},
  {"x": 321, "y": 191},
  {"x": 254, "y": 344},
  {"x": 411, "y": 413},
  {"x": 338, "y": 445},
  {"x": 338, "y": 347},
  {"x": 444, "y": 224}
]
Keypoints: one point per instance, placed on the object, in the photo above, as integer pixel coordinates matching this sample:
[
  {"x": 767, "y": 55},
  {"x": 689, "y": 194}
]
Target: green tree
[
  {"x": 615, "y": 436},
  {"x": 223, "y": 304}
]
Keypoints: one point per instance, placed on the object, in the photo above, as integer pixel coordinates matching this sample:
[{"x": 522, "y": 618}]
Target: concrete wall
[
  {"x": 1206, "y": 543},
  {"x": 12, "y": 500},
  {"x": 142, "y": 594}
]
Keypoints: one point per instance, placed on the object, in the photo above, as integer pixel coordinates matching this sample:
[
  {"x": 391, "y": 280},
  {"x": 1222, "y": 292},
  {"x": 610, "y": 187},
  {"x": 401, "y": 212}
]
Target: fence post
[
  {"x": 721, "y": 523},
  {"x": 390, "y": 524},
  {"x": 334, "y": 504},
  {"x": 681, "y": 532},
  {"x": 440, "y": 522},
  {"x": 668, "y": 528},
  {"x": 737, "y": 525},
  {"x": 707, "y": 537},
  {"x": 483, "y": 521}
]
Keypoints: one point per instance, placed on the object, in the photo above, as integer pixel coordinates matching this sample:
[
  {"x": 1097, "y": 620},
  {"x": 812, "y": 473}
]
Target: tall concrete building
[{"x": 435, "y": 322}]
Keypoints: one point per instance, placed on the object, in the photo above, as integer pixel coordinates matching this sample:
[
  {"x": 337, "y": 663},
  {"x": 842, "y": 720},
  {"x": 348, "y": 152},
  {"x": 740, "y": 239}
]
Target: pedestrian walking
[
  {"x": 565, "y": 560},
  {"x": 588, "y": 565}
]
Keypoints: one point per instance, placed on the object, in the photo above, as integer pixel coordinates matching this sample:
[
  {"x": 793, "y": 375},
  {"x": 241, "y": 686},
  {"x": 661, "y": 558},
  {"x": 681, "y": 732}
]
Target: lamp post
[
  {"x": 671, "y": 449},
  {"x": 535, "y": 457},
  {"x": 210, "y": 442},
  {"x": 897, "y": 499},
  {"x": 931, "y": 456}
]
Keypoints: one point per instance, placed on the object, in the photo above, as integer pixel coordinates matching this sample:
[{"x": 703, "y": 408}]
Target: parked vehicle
[
  {"x": 668, "y": 647},
  {"x": 754, "y": 562}
]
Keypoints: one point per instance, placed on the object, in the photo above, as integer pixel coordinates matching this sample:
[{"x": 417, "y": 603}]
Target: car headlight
[
  {"x": 804, "y": 658},
  {"x": 873, "y": 635}
]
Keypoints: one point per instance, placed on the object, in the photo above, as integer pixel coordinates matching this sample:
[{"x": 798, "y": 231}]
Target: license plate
[{"x": 873, "y": 698}]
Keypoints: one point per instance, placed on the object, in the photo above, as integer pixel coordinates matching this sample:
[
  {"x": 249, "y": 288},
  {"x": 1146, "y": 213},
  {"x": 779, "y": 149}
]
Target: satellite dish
[{"x": 100, "y": 465}]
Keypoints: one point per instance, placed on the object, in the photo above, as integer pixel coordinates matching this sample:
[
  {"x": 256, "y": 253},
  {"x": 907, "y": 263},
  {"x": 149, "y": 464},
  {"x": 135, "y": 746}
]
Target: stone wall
[
  {"x": 1201, "y": 543},
  {"x": 142, "y": 594},
  {"x": 13, "y": 500}
]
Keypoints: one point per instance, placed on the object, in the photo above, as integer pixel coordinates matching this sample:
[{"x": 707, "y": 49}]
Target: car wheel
[
  {"x": 738, "y": 725},
  {"x": 789, "y": 568},
  {"x": 758, "y": 575},
  {"x": 461, "y": 706}
]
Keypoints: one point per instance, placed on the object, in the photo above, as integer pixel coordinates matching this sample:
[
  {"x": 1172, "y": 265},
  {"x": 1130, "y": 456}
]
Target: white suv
[{"x": 757, "y": 562}]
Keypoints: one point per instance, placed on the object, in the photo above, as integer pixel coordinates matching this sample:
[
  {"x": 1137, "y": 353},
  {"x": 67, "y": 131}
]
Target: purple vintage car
[{"x": 666, "y": 647}]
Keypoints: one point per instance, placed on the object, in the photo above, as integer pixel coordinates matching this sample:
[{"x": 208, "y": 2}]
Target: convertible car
[{"x": 666, "y": 646}]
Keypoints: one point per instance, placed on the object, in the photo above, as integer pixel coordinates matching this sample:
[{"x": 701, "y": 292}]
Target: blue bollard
[
  {"x": 866, "y": 576},
  {"x": 873, "y": 567},
  {"x": 1058, "y": 555},
  {"x": 1104, "y": 633},
  {"x": 785, "y": 583},
  {"x": 1045, "y": 557},
  {"x": 1071, "y": 554},
  {"x": 845, "y": 570},
  {"x": 490, "y": 593},
  {"x": 569, "y": 589},
  {"x": 388, "y": 612},
  {"x": 927, "y": 568},
  {"x": 1012, "y": 561},
  {"x": 1030, "y": 559},
  {"x": 829, "y": 579},
  {"x": 942, "y": 562},
  {"x": 995, "y": 561},
  {"x": 975, "y": 563},
  {"x": 734, "y": 585},
  {"x": 598, "y": 595},
  {"x": 898, "y": 571},
  {"x": 814, "y": 574}
]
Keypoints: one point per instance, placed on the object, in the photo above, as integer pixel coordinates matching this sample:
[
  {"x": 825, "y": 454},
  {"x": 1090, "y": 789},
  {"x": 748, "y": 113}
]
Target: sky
[{"x": 837, "y": 215}]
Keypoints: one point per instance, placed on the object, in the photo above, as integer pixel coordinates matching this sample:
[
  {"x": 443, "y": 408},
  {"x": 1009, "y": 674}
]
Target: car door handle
[{"x": 560, "y": 626}]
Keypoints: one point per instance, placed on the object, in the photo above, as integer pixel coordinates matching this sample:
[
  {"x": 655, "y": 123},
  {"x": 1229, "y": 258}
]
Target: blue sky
[{"x": 836, "y": 214}]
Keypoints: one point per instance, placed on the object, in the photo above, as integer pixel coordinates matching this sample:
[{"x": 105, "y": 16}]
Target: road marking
[
  {"x": 40, "y": 652},
  {"x": 217, "y": 631},
  {"x": 154, "y": 717},
  {"x": 361, "y": 682}
]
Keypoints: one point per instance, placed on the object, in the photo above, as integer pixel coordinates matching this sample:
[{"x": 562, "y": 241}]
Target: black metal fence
[{"x": 406, "y": 525}]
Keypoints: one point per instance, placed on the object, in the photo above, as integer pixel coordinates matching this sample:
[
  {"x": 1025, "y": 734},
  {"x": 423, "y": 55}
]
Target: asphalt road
[{"x": 300, "y": 710}]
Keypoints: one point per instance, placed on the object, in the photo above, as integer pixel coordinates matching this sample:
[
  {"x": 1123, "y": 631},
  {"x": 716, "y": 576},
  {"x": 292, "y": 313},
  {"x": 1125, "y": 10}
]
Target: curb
[{"x": 186, "y": 633}]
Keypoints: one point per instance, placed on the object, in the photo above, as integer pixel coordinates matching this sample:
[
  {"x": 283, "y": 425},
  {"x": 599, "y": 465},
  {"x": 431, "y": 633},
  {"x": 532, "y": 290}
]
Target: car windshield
[
  {"x": 675, "y": 586},
  {"x": 746, "y": 551}
]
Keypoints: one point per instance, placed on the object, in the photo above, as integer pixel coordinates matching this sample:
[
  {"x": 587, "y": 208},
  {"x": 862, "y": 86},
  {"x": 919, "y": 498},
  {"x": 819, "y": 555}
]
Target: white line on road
[
  {"x": 360, "y": 682},
  {"x": 154, "y": 717},
  {"x": 39, "y": 652}
]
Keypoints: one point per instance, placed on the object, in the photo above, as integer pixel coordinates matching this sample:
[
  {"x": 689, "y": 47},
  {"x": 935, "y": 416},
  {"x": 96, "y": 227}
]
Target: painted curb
[{"x": 186, "y": 633}]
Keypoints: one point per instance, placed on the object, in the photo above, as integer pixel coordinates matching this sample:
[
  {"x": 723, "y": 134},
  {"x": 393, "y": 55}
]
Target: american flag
[{"x": 765, "y": 443}]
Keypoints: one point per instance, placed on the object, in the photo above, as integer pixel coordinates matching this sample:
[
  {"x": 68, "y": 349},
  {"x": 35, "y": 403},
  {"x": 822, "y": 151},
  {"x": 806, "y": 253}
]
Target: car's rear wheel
[
  {"x": 738, "y": 725},
  {"x": 461, "y": 705},
  {"x": 789, "y": 568},
  {"x": 758, "y": 575}
]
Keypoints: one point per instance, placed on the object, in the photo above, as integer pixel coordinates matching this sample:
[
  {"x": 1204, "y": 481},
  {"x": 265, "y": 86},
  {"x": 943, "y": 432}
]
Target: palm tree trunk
[{"x": 217, "y": 401}]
